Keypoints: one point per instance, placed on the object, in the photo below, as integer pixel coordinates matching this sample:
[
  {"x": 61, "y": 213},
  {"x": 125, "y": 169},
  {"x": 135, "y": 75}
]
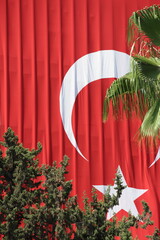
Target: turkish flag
[{"x": 57, "y": 58}]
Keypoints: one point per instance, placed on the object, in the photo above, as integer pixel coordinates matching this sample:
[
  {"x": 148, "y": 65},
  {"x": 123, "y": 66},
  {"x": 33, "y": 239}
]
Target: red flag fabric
[{"x": 57, "y": 58}]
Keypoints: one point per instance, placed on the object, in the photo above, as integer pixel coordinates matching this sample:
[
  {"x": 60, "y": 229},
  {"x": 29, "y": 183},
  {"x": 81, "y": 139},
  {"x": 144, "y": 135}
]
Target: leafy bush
[{"x": 34, "y": 209}]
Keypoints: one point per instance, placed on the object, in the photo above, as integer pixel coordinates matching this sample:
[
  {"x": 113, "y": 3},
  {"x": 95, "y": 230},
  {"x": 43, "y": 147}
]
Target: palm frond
[
  {"x": 147, "y": 22},
  {"x": 139, "y": 90},
  {"x": 150, "y": 60},
  {"x": 119, "y": 90},
  {"x": 146, "y": 73},
  {"x": 151, "y": 123}
]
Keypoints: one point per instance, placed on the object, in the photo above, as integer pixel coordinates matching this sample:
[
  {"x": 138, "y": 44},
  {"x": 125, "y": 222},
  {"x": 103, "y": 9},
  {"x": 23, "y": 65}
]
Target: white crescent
[{"x": 89, "y": 68}]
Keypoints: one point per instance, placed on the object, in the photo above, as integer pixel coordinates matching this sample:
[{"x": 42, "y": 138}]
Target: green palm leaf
[
  {"x": 118, "y": 90},
  {"x": 139, "y": 90},
  {"x": 147, "y": 21},
  {"x": 150, "y": 60},
  {"x": 151, "y": 123},
  {"x": 147, "y": 71}
]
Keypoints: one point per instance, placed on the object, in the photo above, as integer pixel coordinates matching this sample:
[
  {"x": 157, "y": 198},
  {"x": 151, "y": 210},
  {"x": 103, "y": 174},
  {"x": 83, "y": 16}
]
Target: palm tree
[{"x": 139, "y": 90}]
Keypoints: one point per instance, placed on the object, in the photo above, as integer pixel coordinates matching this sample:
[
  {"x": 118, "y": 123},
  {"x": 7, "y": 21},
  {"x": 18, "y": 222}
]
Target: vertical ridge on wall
[
  {"x": 48, "y": 122},
  {"x": 4, "y": 64},
  {"x": 20, "y": 115},
  {"x": 34, "y": 67}
]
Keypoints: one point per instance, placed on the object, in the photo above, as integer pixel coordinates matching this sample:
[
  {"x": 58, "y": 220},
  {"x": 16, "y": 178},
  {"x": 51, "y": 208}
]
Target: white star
[
  {"x": 156, "y": 158},
  {"x": 126, "y": 201}
]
